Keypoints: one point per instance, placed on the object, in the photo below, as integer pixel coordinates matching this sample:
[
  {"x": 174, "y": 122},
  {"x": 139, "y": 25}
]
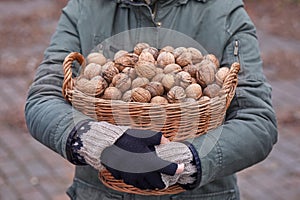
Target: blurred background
[{"x": 28, "y": 170}]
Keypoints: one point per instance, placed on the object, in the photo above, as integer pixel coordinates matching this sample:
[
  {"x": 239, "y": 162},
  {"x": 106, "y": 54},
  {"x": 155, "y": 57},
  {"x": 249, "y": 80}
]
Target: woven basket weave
[{"x": 177, "y": 121}]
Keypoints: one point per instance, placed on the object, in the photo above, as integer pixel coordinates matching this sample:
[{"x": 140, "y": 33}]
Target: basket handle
[
  {"x": 68, "y": 82},
  {"x": 230, "y": 82}
]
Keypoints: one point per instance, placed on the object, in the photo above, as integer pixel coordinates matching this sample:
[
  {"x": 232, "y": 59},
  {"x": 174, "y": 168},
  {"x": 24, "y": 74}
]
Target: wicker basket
[{"x": 177, "y": 121}]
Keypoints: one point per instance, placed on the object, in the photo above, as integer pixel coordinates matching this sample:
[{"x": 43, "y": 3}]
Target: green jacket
[{"x": 221, "y": 27}]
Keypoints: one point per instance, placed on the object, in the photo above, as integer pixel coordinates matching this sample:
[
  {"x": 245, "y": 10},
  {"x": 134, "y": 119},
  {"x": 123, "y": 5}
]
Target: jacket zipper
[{"x": 236, "y": 48}]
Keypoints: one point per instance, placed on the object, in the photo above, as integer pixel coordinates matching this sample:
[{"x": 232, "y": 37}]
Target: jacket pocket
[{"x": 224, "y": 195}]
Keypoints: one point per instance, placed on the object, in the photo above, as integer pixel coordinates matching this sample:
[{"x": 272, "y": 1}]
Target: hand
[{"x": 132, "y": 158}]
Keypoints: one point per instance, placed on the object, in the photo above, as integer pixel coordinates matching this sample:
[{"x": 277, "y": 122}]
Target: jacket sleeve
[
  {"x": 250, "y": 128},
  {"x": 48, "y": 116}
]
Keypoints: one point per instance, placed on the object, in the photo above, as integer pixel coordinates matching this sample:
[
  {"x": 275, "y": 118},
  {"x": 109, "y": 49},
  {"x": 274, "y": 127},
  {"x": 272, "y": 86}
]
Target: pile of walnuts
[{"x": 149, "y": 75}]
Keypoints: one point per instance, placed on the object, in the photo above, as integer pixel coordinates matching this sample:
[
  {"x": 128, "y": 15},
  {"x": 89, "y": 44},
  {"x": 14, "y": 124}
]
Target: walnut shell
[
  {"x": 97, "y": 58},
  {"x": 178, "y": 51},
  {"x": 213, "y": 59},
  {"x": 112, "y": 93},
  {"x": 109, "y": 71},
  {"x": 158, "y": 77},
  {"x": 146, "y": 56},
  {"x": 168, "y": 81},
  {"x": 183, "y": 79},
  {"x": 159, "y": 70},
  {"x": 139, "y": 47},
  {"x": 172, "y": 68},
  {"x": 159, "y": 100},
  {"x": 206, "y": 73},
  {"x": 191, "y": 69},
  {"x": 197, "y": 56},
  {"x": 185, "y": 58},
  {"x": 139, "y": 82},
  {"x": 145, "y": 69},
  {"x": 212, "y": 90},
  {"x": 140, "y": 95},
  {"x": 122, "y": 82},
  {"x": 193, "y": 91},
  {"x": 126, "y": 60},
  {"x": 92, "y": 70},
  {"x": 176, "y": 94},
  {"x": 155, "y": 88},
  {"x": 165, "y": 58},
  {"x": 120, "y": 53},
  {"x": 221, "y": 75},
  {"x": 127, "y": 96},
  {"x": 93, "y": 87},
  {"x": 168, "y": 48},
  {"x": 154, "y": 51},
  {"x": 130, "y": 72},
  {"x": 189, "y": 100}
]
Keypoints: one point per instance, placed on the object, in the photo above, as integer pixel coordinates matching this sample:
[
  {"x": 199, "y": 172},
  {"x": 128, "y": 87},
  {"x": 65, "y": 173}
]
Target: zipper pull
[{"x": 236, "y": 48}]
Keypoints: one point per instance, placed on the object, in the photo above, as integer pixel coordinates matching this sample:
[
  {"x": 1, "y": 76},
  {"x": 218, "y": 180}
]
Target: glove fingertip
[{"x": 170, "y": 169}]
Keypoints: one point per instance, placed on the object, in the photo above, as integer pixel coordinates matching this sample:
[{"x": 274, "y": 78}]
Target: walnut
[
  {"x": 178, "y": 51},
  {"x": 197, "y": 56},
  {"x": 92, "y": 70},
  {"x": 97, "y": 58},
  {"x": 122, "y": 82},
  {"x": 193, "y": 91},
  {"x": 169, "y": 49},
  {"x": 159, "y": 70},
  {"x": 130, "y": 72},
  {"x": 213, "y": 59},
  {"x": 112, "y": 93},
  {"x": 127, "y": 96},
  {"x": 183, "y": 79},
  {"x": 212, "y": 90},
  {"x": 158, "y": 77},
  {"x": 221, "y": 75},
  {"x": 193, "y": 80},
  {"x": 145, "y": 69},
  {"x": 172, "y": 68},
  {"x": 109, "y": 71},
  {"x": 206, "y": 73},
  {"x": 159, "y": 100},
  {"x": 93, "y": 87},
  {"x": 126, "y": 60},
  {"x": 165, "y": 58},
  {"x": 139, "y": 47},
  {"x": 155, "y": 88},
  {"x": 140, "y": 95},
  {"x": 204, "y": 98},
  {"x": 139, "y": 82},
  {"x": 185, "y": 58},
  {"x": 146, "y": 56},
  {"x": 153, "y": 51},
  {"x": 191, "y": 69},
  {"x": 120, "y": 53},
  {"x": 168, "y": 81},
  {"x": 189, "y": 100},
  {"x": 176, "y": 94}
]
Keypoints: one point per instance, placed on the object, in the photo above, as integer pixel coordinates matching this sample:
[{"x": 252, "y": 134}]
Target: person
[{"x": 205, "y": 166}]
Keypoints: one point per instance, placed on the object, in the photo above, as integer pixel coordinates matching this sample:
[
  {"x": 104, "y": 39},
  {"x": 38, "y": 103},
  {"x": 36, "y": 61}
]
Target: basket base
[{"x": 109, "y": 181}]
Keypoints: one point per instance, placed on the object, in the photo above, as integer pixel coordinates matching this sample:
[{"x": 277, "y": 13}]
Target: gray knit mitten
[
  {"x": 179, "y": 153},
  {"x": 99, "y": 136}
]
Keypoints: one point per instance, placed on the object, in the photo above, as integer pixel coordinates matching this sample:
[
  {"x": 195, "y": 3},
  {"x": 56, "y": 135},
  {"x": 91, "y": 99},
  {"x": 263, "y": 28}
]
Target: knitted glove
[
  {"x": 132, "y": 158},
  {"x": 90, "y": 138},
  {"x": 178, "y": 152}
]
